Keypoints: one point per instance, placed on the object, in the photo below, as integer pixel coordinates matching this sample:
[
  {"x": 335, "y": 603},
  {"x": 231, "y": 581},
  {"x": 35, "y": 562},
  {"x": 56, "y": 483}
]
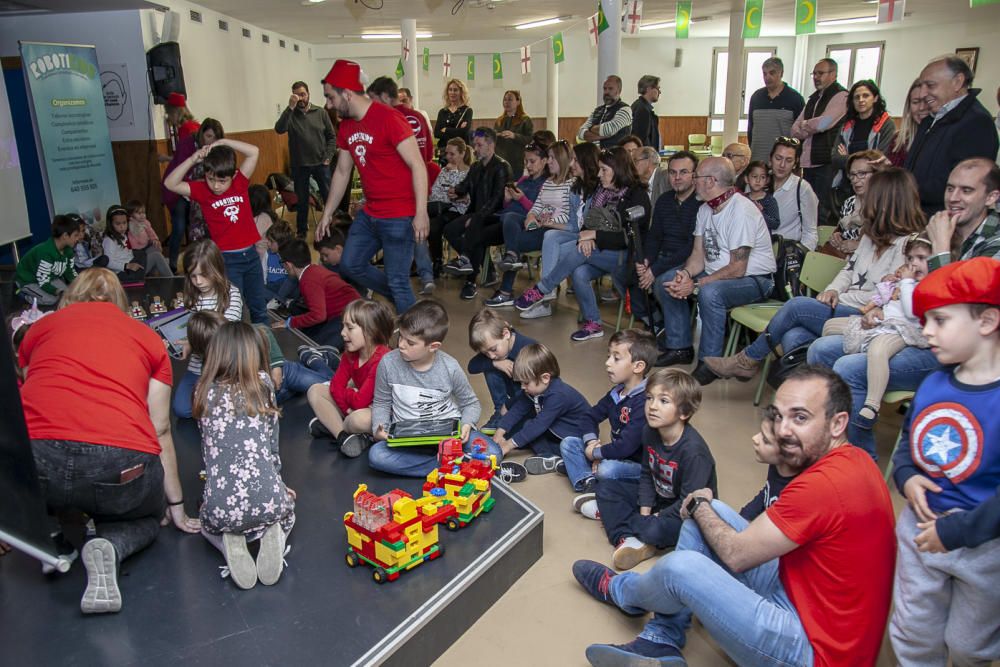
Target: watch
[{"x": 693, "y": 504}]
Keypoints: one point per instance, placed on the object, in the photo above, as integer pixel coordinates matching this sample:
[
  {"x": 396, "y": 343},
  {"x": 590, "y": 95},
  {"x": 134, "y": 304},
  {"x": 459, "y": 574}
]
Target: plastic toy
[
  {"x": 157, "y": 307},
  {"x": 137, "y": 311},
  {"x": 178, "y": 301},
  {"x": 394, "y": 532},
  {"x": 464, "y": 480}
]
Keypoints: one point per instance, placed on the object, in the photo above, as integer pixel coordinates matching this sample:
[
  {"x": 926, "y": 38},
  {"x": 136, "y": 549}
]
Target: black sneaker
[
  {"x": 676, "y": 357},
  {"x": 355, "y": 444},
  {"x": 318, "y": 430},
  {"x": 542, "y": 465},
  {"x": 512, "y": 472},
  {"x": 331, "y": 354},
  {"x": 637, "y": 652},
  {"x": 469, "y": 291},
  {"x": 499, "y": 299},
  {"x": 561, "y": 467},
  {"x": 588, "y": 485},
  {"x": 703, "y": 374},
  {"x": 509, "y": 262},
  {"x": 460, "y": 266}
]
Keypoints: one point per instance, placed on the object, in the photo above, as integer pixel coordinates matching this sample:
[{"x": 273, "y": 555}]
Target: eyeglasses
[
  {"x": 788, "y": 141},
  {"x": 702, "y": 176},
  {"x": 733, "y": 155},
  {"x": 859, "y": 175}
]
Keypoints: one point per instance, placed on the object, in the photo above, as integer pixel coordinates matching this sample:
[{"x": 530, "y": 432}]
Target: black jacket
[
  {"x": 484, "y": 185},
  {"x": 965, "y": 131},
  {"x": 645, "y": 124}
]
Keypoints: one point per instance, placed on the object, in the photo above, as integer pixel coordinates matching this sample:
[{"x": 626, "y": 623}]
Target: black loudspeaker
[{"x": 165, "y": 72}]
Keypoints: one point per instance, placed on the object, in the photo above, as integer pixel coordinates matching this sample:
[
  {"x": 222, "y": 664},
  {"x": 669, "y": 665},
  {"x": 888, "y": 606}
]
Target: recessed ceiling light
[
  {"x": 538, "y": 24},
  {"x": 393, "y": 35}
]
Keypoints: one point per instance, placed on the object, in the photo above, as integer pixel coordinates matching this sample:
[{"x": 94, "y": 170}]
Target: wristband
[{"x": 179, "y": 502}]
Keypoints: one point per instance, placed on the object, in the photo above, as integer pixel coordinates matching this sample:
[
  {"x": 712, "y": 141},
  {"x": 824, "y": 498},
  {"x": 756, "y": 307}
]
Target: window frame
[
  {"x": 771, "y": 50},
  {"x": 854, "y": 47}
]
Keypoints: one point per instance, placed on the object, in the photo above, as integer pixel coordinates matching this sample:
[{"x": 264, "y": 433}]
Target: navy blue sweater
[
  {"x": 483, "y": 364},
  {"x": 560, "y": 409},
  {"x": 671, "y": 233},
  {"x": 627, "y": 417}
]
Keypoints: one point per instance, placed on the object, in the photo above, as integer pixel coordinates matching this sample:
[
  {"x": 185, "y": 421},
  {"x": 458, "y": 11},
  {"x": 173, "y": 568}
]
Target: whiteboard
[{"x": 13, "y": 210}]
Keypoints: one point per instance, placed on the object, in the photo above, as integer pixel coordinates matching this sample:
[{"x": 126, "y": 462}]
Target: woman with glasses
[
  {"x": 454, "y": 119},
  {"x": 798, "y": 205},
  {"x": 916, "y": 111},
  {"x": 596, "y": 252},
  {"x": 860, "y": 167},
  {"x": 514, "y": 130},
  {"x": 891, "y": 212},
  {"x": 868, "y": 126}
]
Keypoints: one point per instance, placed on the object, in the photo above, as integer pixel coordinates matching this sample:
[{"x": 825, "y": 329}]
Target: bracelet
[{"x": 179, "y": 502}]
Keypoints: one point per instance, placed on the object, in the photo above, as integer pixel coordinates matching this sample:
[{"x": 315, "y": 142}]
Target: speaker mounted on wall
[{"x": 165, "y": 72}]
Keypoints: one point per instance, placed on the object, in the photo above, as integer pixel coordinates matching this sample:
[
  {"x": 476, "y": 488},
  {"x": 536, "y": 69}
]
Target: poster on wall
[
  {"x": 117, "y": 98},
  {"x": 72, "y": 127}
]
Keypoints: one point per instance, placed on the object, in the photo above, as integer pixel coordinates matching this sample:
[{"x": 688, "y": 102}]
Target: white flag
[
  {"x": 891, "y": 11},
  {"x": 525, "y": 60},
  {"x": 406, "y": 50},
  {"x": 592, "y": 29},
  {"x": 633, "y": 17},
  {"x": 446, "y": 64}
]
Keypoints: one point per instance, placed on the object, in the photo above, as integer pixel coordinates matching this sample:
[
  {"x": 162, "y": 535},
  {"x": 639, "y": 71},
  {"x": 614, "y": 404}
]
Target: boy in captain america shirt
[{"x": 948, "y": 468}]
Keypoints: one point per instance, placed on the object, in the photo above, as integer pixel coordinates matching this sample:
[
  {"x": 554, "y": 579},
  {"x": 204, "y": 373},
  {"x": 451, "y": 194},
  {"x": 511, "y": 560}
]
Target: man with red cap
[
  {"x": 394, "y": 218},
  {"x": 947, "y": 466}
]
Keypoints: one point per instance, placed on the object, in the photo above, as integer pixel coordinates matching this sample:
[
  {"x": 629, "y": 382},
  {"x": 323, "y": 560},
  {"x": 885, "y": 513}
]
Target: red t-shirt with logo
[
  {"x": 421, "y": 130},
  {"x": 840, "y": 577},
  {"x": 385, "y": 179},
  {"x": 89, "y": 367},
  {"x": 228, "y": 216}
]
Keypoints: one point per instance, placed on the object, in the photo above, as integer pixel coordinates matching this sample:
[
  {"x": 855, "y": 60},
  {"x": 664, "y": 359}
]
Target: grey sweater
[
  {"x": 442, "y": 391},
  {"x": 311, "y": 139}
]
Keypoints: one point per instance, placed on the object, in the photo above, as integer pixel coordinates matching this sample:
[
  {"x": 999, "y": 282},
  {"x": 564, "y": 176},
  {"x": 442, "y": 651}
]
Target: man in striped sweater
[{"x": 610, "y": 122}]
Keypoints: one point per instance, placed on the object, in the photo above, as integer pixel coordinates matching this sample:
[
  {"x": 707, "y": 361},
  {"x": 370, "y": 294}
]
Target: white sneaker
[
  {"x": 540, "y": 309},
  {"x": 273, "y": 304},
  {"x": 589, "y": 510},
  {"x": 630, "y": 552}
]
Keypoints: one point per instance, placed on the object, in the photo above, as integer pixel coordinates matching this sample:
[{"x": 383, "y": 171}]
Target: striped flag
[
  {"x": 593, "y": 28},
  {"x": 525, "y": 60},
  {"x": 633, "y": 17},
  {"x": 446, "y": 65},
  {"x": 891, "y": 11}
]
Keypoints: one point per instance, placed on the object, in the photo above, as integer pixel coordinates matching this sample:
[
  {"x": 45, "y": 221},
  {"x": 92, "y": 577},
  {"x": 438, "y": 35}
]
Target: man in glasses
[
  {"x": 645, "y": 124},
  {"x": 739, "y": 155},
  {"x": 817, "y": 127},
  {"x": 610, "y": 122},
  {"x": 773, "y": 109}
]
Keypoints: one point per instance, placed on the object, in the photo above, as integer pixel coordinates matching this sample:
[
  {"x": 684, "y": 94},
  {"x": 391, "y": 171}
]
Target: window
[
  {"x": 857, "y": 61},
  {"x": 753, "y": 59}
]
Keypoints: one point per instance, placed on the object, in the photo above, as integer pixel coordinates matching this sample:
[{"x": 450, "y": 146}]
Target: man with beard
[
  {"x": 610, "y": 122},
  {"x": 312, "y": 143},
  {"x": 385, "y": 152},
  {"x": 809, "y": 581}
]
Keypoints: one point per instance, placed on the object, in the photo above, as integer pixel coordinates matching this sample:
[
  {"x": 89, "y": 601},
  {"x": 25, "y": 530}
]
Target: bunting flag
[
  {"x": 682, "y": 19},
  {"x": 406, "y": 50},
  {"x": 426, "y": 59},
  {"x": 497, "y": 67},
  {"x": 753, "y": 16},
  {"x": 446, "y": 65},
  {"x": 602, "y": 20},
  {"x": 525, "y": 60},
  {"x": 982, "y": 3},
  {"x": 593, "y": 29},
  {"x": 805, "y": 16},
  {"x": 633, "y": 17},
  {"x": 470, "y": 68},
  {"x": 558, "y": 50},
  {"x": 891, "y": 11},
  {"x": 399, "y": 69}
]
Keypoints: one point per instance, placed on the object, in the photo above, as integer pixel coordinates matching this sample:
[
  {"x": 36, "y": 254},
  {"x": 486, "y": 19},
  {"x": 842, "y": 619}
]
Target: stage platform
[{"x": 178, "y": 608}]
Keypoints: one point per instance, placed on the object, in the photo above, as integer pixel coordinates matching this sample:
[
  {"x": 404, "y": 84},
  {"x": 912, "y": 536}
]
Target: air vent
[
  {"x": 246, "y": 32},
  {"x": 265, "y": 39},
  {"x": 281, "y": 43},
  {"x": 196, "y": 16},
  {"x": 223, "y": 25},
  {"x": 295, "y": 47}
]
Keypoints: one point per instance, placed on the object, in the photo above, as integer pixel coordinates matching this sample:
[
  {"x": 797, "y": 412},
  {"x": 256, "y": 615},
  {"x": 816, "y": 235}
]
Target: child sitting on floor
[
  {"x": 142, "y": 236},
  {"x": 497, "y": 346},
  {"x": 47, "y": 269},
  {"x": 779, "y": 474},
  {"x": 238, "y": 419},
  {"x": 281, "y": 289},
  {"x": 641, "y": 516},
  {"x": 547, "y": 411},
  {"x": 631, "y": 354}
]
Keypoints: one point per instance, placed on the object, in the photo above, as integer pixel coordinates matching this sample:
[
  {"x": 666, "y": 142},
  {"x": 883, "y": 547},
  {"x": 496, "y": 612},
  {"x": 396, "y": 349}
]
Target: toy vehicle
[
  {"x": 464, "y": 480},
  {"x": 137, "y": 311},
  {"x": 157, "y": 307},
  {"x": 394, "y": 532}
]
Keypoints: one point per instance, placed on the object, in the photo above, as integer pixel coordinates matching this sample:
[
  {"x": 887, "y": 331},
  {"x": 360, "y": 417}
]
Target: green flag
[
  {"x": 427, "y": 59},
  {"x": 558, "y": 52},
  {"x": 805, "y": 16},
  {"x": 753, "y": 16},
  {"x": 399, "y": 69},
  {"x": 602, "y": 20},
  {"x": 983, "y": 3},
  {"x": 497, "y": 67},
  {"x": 470, "y": 69},
  {"x": 682, "y": 19}
]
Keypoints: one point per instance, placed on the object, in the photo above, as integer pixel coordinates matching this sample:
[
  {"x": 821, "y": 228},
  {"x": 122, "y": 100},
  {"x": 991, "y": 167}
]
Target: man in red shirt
[
  {"x": 384, "y": 90},
  {"x": 808, "y": 582},
  {"x": 394, "y": 218},
  {"x": 326, "y": 295}
]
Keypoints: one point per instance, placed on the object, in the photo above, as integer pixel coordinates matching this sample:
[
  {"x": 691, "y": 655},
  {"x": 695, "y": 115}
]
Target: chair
[
  {"x": 823, "y": 234},
  {"x": 697, "y": 144},
  {"x": 716, "y": 144},
  {"x": 819, "y": 270},
  {"x": 895, "y": 398}
]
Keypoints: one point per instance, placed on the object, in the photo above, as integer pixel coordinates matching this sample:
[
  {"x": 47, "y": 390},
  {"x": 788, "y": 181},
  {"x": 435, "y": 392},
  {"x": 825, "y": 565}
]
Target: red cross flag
[
  {"x": 633, "y": 17},
  {"x": 406, "y": 49},
  {"x": 891, "y": 11},
  {"x": 446, "y": 64},
  {"x": 525, "y": 60},
  {"x": 592, "y": 28}
]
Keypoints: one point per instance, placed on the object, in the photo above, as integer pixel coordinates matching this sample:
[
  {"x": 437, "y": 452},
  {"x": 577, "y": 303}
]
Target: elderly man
[
  {"x": 739, "y": 155},
  {"x": 610, "y": 122},
  {"x": 647, "y": 164},
  {"x": 773, "y": 109},
  {"x": 645, "y": 124},
  {"x": 809, "y": 581},
  {"x": 311, "y": 146},
  {"x": 957, "y": 127},
  {"x": 818, "y": 127},
  {"x": 730, "y": 265}
]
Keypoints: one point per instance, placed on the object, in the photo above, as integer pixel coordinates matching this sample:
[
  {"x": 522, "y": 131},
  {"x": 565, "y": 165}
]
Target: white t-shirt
[
  {"x": 738, "y": 224},
  {"x": 793, "y": 227}
]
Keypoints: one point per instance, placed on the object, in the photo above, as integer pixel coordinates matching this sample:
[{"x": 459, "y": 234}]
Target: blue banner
[{"x": 72, "y": 126}]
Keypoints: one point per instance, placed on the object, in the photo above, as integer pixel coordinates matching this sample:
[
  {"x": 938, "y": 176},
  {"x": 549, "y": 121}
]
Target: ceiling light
[
  {"x": 856, "y": 19},
  {"x": 538, "y": 24},
  {"x": 394, "y": 35},
  {"x": 658, "y": 26},
  {"x": 315, "y": 2}
]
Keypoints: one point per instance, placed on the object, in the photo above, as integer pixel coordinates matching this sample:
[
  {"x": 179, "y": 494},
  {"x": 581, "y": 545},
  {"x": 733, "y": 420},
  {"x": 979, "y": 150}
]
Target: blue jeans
[
  {"x": 907, "y": 369},
  {"x": 422, "y": 258},
  {"x": 178, "y": 227},
  {"x": 599, "y": 263},
  {"x": 296, "y": 379},
  {"x": 798, "y": 322},
  {"x": 500, "y": 386},
  {"x": 183, "y": 394},
  {"x": 552, "y": 244},
  {"x": 518, "y": 240},
  {"x": 714, "y": 301},
  {"x": 395, "y": 237},
  {"x": 243, "y": 270},
  {"x": 578, "y": 468},
  {"x": 748, "y": 614},
  {"x": 418, "y": 461}
]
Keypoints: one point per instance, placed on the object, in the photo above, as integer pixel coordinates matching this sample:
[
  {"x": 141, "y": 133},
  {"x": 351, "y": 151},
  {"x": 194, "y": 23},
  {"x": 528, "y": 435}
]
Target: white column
[
  {"x": 734, "y": 79},
  {"x": 408, "y": 30},
  {"x": 609, "y": 46},
  {"x": 551, "y": 92},
  {"x": 801, "y": 67}
]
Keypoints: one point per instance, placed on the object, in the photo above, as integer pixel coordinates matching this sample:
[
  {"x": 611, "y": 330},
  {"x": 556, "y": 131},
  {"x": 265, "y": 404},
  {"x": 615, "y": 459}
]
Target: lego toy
[
  {"x": 394, "y": 532},
  {"x": 157, "y": 307},
  {"x": 463, "y": 480},
  {"x": 137, "y": 311},
  {"x": 178, "y": 301}
]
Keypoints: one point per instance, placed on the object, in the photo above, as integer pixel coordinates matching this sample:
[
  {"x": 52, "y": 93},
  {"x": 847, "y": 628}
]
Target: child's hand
[
  {"x": 594, "y": 466},
  {"x": 506, "y": 446},
  {"x": 872, "y": 318},
  {"x": 928, "y": 540},
  {"x": 905, "y": 272},
  {"x": 200, "y": 154},
  {"x": 181, "y": 521},
  {"x": 185, "y": 349},
  {"x": 278, "y": 325},
  {"x": 381, "y": 434},
  {"x": 133, "y": 266},
  {"x": 915, "y": 490},
  {"x": 589, "y": 451},
  {"x": 505, "y": 366},
  {"x": 277, "y": 375},
  {"x": 466, "y": 430}
]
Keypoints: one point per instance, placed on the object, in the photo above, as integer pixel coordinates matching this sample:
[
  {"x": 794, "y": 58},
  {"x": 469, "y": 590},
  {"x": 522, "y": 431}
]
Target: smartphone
[{"x": 512, "y": 185}]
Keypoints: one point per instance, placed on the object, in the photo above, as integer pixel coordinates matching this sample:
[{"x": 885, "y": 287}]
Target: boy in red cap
[
  {"x": 948, "y": 468},
  {"x": 393, "y": 178}
]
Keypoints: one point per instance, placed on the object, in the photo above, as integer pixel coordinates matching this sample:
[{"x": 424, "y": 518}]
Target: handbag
[
  {"x": 602, "y": 219},
  {"x": 782, "y": 367},
  {"x": 788, "y": 269}
]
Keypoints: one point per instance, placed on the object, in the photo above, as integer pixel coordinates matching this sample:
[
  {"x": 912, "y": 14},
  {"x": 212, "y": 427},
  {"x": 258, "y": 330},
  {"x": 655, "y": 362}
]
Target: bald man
[{"x": 739, "y": 155}]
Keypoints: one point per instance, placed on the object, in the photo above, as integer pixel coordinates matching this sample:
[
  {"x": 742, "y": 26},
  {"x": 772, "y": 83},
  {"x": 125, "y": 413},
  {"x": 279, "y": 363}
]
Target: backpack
[{"x": 788, "y": 260}]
